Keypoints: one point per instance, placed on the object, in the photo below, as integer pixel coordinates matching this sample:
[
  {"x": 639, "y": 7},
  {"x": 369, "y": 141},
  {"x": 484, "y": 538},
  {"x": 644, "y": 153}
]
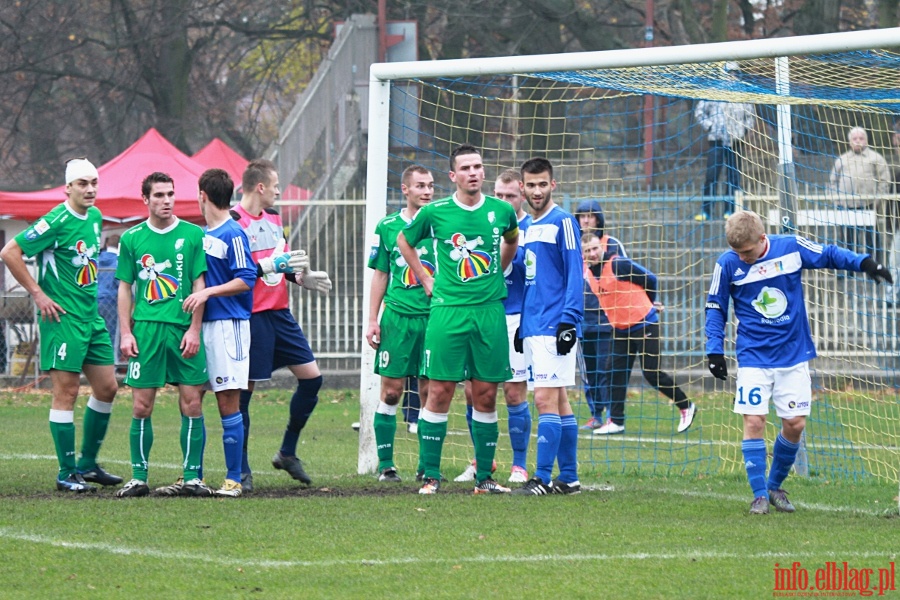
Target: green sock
[
  {"x": 64, "y": 441},
  {"x": 431, "y": 442},
  {"x": 385, "y": 431},
  {"x": 485, "y": 437},
  {"x": 420, "y": 468},
  {"x": 95, "y": 425},
  {"x": 192, "y": 446},
  {"x": 141, "y": 437}
]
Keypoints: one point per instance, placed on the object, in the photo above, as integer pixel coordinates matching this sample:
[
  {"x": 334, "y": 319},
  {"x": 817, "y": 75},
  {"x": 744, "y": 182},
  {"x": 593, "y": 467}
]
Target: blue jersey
[
  {"x": 773, "y": 328},
  {"x": 554, "y": 291},
  {"x": 107, "y": 284},
  {"x": 227, "y": 258},
  {"x": 515, "y": 273}
]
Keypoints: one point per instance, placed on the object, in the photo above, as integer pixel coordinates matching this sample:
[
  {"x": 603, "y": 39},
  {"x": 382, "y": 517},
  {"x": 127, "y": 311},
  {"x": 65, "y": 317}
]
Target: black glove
[
  {"x": 717, "y": 366},
  {"x": 517, "y": 343},
  {"x": 875, "y": 270},
  {"x": 565, "y": 338}
]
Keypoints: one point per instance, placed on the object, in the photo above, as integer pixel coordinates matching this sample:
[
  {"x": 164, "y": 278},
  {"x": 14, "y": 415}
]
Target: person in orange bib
[{"x": 627, "y": 294}]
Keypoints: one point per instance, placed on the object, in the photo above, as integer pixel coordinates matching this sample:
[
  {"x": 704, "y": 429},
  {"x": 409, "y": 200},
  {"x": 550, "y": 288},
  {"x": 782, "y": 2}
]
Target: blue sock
[
  {"x": 548, "y": 433},
  {"x": 303, "y": 402},
  {"x": 755, "y": 463},
  {"x": 233, "y": 443},
  {"x": 567, "y": 455},
  {"x": 245, "y": 416},
  {"x": 783, "y": 455},
  {"x": 469, "y": 423},
  {"x": 519, "y": 432}
]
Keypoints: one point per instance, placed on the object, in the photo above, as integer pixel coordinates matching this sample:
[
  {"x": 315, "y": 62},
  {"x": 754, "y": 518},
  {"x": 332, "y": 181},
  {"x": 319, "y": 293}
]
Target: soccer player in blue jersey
[
  {"x": 761, "y": 275},
  {"x": 228, "y": 298},
  {"x": 552, "y": 311}
]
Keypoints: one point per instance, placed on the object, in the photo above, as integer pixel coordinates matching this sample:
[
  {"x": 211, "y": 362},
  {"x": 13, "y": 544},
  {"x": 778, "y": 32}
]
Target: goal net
[{"x": 627, "y": 129}]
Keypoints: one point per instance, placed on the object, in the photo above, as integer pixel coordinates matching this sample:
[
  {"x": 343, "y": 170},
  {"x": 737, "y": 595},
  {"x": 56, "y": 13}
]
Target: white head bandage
[{"x": 80, "y": 168}]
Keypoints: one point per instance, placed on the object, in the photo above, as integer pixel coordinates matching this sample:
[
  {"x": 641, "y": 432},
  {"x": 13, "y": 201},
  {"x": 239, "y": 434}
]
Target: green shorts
[
  {"x": 467, "y": 342},
  {"x": 72, "y": 343},
  {"x": 401, "y": 351},
  {"x": 159, "y": 359}
]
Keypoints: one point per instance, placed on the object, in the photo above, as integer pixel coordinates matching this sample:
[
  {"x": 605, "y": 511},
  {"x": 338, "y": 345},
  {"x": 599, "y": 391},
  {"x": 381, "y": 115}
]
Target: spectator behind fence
[
  {"x": 858, "y": 178},
  {"x": 108, "y": 288},
  {"x": 725, "y": 124},
  {"x": 895, "y": 160}
]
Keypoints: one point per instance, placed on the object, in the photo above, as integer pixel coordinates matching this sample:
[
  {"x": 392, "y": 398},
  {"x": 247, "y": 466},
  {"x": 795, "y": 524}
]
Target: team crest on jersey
[
  {"x": 770, "y": 303},
  {"x": 84, "y": 260},
  {"x": 160, "y": 286},
  {"x": 471, "y": 263}
]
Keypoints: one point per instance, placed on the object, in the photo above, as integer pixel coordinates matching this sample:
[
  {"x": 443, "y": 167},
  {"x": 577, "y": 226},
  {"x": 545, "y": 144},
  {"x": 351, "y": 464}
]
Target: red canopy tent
[
  {"x": 219, "y": 155},
  {"x": 119, "y": 197}
]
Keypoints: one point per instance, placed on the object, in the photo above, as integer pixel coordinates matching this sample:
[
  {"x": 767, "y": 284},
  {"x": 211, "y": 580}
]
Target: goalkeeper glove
[
  {"x": 286, "y": 262},
  {"x": 876, "y": 271},
  {"x": 518, "y": 345},
  {"x": 317, "y": 281},
  {"x": 717, "y": 366},
  {"x": 565, "y": 338}
]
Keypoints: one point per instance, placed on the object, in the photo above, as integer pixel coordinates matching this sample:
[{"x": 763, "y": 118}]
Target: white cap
[{"x": 80, "y": 168}]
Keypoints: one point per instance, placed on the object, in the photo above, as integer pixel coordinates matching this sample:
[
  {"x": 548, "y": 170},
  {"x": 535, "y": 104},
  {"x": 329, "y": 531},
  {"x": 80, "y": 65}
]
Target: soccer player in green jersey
[
  {"x": 399, "y": 336},
  {"x": 73, "y": 335},
  {"x": 475, "y": 237},
  {"x": 164, "y": 259}
]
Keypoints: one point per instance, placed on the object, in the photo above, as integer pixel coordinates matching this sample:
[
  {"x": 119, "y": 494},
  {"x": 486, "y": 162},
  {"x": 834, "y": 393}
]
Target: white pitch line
[
  {"x": 693, "y": 442},
  {"x": 480, "y": 559}
]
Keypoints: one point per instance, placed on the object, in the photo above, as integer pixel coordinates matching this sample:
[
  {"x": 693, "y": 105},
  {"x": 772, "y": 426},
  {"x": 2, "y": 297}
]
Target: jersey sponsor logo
[
  {"x": 794, "y": 404},
  {"x": 373, "y": 253},
  {"x": 471, "y": 263},
  {"x": 492, "y": 217},
  {"x": 86, "y": 274},
  {"x": 714, "y": 305},
  {"x": 179, "y": 243},
  {"x": 161, "y": 286},
  {"x": 771, "y": 303},
  {"x": 530, "y": 265}
]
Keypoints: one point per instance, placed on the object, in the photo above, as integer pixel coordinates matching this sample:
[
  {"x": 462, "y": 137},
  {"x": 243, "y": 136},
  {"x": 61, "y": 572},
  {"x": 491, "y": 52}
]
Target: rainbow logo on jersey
[
  {"x": 471, "y": 263},
  {"x": 87, "y": 266},
  {"x": 409, "y": 279},
  {"x": 160, "y": 286}
]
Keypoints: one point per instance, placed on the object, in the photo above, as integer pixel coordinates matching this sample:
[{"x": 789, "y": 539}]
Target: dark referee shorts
[{"x": 276, "y": 341}]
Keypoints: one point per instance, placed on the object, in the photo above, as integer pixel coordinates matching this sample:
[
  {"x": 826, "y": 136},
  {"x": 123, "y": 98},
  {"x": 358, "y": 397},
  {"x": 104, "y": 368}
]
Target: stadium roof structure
[{"x": 119, "y": 197}]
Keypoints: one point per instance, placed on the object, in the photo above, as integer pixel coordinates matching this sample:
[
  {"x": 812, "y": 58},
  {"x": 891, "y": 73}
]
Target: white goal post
[{"x": 382, "y": 75}]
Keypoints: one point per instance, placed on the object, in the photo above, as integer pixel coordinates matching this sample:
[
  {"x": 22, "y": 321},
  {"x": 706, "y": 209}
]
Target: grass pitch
[{"x": 629, "y": 535}]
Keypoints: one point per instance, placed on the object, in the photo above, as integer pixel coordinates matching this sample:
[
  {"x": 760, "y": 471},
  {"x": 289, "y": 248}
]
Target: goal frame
[{"x": 381, "y": 76}]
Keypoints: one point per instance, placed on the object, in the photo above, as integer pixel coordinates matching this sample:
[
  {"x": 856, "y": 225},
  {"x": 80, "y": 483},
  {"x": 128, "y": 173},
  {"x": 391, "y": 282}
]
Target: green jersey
[
  {"x": 164, "y": 264},
  {"x": 404, "y": 292},
  {"x": 467, "y": 242},
  {"x": 67, "y": 268}
]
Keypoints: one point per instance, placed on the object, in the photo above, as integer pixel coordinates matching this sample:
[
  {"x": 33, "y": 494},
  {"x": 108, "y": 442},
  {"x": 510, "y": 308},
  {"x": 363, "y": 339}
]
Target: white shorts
[
  {"x": 227, "y": 344},
  {"x": 516, "y": 359},
  {"x": 789, "y": 389},
  {"x": 548, "y": 369}
]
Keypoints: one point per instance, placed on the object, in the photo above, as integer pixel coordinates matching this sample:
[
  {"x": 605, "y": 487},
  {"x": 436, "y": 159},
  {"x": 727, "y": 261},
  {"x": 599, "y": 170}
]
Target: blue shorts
[{"x": 276, "y": 341}]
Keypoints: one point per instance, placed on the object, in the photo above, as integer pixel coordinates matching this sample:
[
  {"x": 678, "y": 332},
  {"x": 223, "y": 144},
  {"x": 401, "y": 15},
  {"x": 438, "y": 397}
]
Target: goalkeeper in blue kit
[{"x": 761, "y": 275}]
